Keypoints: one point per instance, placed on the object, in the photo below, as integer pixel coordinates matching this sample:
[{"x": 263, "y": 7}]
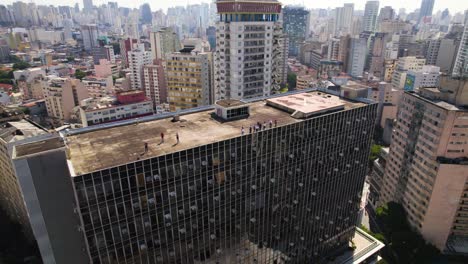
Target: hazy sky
[{"x": 452, "y": 5}]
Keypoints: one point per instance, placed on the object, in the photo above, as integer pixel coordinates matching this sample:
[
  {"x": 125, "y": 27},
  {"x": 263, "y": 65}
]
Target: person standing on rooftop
[{"x": 162, "y": 137}]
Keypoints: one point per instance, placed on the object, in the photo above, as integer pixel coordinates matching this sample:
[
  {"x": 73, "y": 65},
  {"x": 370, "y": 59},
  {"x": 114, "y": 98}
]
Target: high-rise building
[
  {"x": 426, "y": 9},
  {"x": 103, "y": 52},
  {"x": 145, "y": 13},
  {"x": 126, "y": 45},
  {"x": 427, "y": 169},
  {"x": 441, "y": 52},
  {"x": 62, "y": 95},
  {"x": 386, "y": 13},
  {"x": 211, "y": 36},
  {"x": 344, "y": 19},
  {"x": 248, "y": 35},
  {"x": 296, "y": 26},
  {"x": 164, "y": 41},
  {"x": 89, "y": 34},
  {"x": 460, "y": 67},
  {"x": 357, "y": 56},
  {"x": 87, "y": 5},
  {"x": 137, "y": 58},
  {"x": 11, "y": 199},
  {"x": 208, "y": 190},
  {"x": 371, "y": 11},
  {"x": 155, "y": 84},
  {"x": 189, "y": 76}
]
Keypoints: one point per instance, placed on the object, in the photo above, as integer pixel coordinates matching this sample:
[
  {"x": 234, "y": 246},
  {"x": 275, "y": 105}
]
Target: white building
[
  {"x": 428, "y": 76},
  {"x": 137, "y": 58},
  {"x": 344, "y": 19},
  {"x": 404, "y": 65},
  {"x": 109, "y": 109},
  {"x": 245, "y": 61},
  {"x": 370, "y": 16}
]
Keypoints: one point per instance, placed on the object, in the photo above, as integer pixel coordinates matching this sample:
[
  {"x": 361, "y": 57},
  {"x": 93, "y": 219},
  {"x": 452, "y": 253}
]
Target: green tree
[
  {"x": 21, "y": 65},
  {"x": 375, "y": 151},
  {"x": 79, "y": 74},
  {"x": 70, "y": 58},
  {"x": 292, "y": 77}
]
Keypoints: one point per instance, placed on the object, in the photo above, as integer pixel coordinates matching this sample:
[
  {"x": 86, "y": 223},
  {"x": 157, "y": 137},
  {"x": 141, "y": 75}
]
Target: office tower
[
  {"x": 247, "y": 34},
  {"x": 211, "y": 36},
  {"x": 155, "y": 83},
  {"x": 460, "y": 67},
  {"x": 189, "y": 76},
  {"x": 11, "y": 198},
  {"x": 370, "y": 16},
  {"x": 288, "y": 191},
  {"x": 386, "y": 13},
  {"x": 296, "y": 26},
  {"x": 89, "y": 34},
  {"x": 137, "y": 58},
  {"x": 106, "y": 109},
  {"x": 145, "y": 14},
  {"x": 427, "y": 172},
  {"x": 357, "y": 56},
  {"x": 164, "y": 41},
  {"x": 404, "y": 65},
  {"x": 62, "y": 95},
  {"x": 344, "y": 19},
  {"x": 426, "y": 9},
  {"x": 87, "y": 5},
  {"x": 126, "y": 45}
]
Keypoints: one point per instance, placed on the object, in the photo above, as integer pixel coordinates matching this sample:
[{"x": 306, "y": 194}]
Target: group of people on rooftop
[{"x": 259, "y": 126}]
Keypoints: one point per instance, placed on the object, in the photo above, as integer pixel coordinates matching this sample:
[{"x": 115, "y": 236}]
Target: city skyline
[{"x": 453, "y": 5}]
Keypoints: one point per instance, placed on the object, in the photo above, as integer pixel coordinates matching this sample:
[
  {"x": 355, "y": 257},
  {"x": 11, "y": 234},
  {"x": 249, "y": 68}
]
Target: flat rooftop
[
  {"x": 366, "y": 246},
  {"x": 101, "y": 147}
]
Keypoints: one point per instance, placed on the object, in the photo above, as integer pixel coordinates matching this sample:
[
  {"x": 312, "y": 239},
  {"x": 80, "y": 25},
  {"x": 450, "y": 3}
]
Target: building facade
[
  {"x": 89, "y": 34},
  {"x": 371, "y": 11},
  {"x": 164, "y": 41},
  {"x": 155, "y": 83},
  {"x": 460, "y": 67},
  {"x": 427, "y": 168},
  {"x": 296, "y": 26},
  {"x": 189, "y": 76},
  {"x": 137, "y": 58},
  {"x": 218, "y": 194},
  {"x": 246, "y": 41}
]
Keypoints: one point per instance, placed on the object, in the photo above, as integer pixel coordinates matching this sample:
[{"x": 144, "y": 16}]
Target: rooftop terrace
[{"x": 101, "y": 147}]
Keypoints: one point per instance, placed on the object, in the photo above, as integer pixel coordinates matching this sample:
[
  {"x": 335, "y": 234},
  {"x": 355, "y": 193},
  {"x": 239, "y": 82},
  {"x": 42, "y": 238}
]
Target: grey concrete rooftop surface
[{"x": 108, "y": 147}]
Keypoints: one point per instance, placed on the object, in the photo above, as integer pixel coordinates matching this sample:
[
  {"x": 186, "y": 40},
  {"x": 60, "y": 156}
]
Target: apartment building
[
  {"x": 427, "y": 164},
  {"x": 137, "y": 58},
  {"x": 189, "y": 77},
  {"x": 124, "y": 105},
  {"x": 163, "y": 41},
  {"x": 235, "y": 188},
  {"x": 62, "y": 95},
  {"x": 155, "y": 83},
  {"x": 251, "y": 49},
  {"x": 28, "y": 80}
]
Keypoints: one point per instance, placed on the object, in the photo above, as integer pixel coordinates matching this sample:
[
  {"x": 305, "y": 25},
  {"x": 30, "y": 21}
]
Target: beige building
[
  {"x": 304, "y": 81},
  {"x": 155, "y": 84},
  {"x": 11, "y": 198},
  {"x": 427, "y": 170},
  {"x": 164, "y": 41},
  {"x": 189, "y": 79},
  {"x": 62, "y": 95}
]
